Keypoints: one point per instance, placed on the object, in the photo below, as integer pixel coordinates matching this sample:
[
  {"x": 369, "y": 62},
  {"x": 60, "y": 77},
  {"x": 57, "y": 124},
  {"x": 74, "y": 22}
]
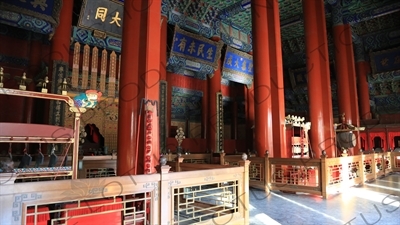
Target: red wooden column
[
  {"x": 214, "y": 86},
  {"x": 346, "y": 77},
  {"x": 319, "y": 87},
  {"x": 152, "y": 79},
  {"x": 60, "y": 43},
  {"x": 277, "y": 84},
  {"x": 362, "y": 69},
  {"x": 249, "y": 98},
  {"x": 140, "y": 76},
  {"x": 163, "y": 47},
  {"x": 62, "y": 36},
  {"x": 262, "y": 78}
]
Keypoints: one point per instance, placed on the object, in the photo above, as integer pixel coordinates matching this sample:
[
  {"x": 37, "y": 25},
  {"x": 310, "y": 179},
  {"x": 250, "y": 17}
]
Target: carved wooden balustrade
[
  {"x": 206, "y": 196},
  {"x": 314, "y": 176},
  {"x": 257, "y": 169},
  {"x": 329, "y": 175},
  {"x": 395, "y": 161}
]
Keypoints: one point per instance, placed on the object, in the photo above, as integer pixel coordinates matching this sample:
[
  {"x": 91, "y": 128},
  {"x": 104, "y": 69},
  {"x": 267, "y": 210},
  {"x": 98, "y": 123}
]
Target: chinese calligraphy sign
[
  {"x": 102, "y": 15},
  {"x": 385, "y": 61},
  {"x": 196, "y": 48},
  {"x": 47, "y": 10},
  {"x": 238, "y": 66}
]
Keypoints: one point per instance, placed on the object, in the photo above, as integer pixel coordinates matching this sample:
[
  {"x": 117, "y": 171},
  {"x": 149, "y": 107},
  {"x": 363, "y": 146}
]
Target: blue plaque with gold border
[
  {"x": 197, "y": 49},
  {"x": 102, "y": 15},
  {"x": 45, "y": 10},
  {"x": 238, "y": 66},
  {"x": 385, "y": 61}
]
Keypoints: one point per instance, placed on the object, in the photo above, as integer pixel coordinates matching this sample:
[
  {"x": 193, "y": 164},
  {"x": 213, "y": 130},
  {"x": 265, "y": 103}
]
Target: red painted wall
[{"x": 177, "y": 80}]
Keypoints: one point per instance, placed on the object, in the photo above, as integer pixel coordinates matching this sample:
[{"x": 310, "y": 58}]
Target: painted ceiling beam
[
  {"x": 371, "y": 14},
  {"x": 369, "y": 42},
  {"x": 350, "y": 18}
]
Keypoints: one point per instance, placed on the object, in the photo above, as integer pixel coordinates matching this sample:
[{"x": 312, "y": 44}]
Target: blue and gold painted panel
[
  {"x": 48, "y": 10},
  {"x": 195, "y": 48},
  {"x": 238, "y": 66},
  {"x": 186, "y": 104},
  {"x": 84, "y": 36},
  {"x": 384, "y": 61},
  {"x": 102, "y": 15},
  {"x": 40, "y": 16}
]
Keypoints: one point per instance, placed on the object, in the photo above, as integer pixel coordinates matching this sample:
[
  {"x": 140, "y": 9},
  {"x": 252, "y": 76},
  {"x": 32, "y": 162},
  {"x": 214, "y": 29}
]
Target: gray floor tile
[{"x": 375, "y": 203}]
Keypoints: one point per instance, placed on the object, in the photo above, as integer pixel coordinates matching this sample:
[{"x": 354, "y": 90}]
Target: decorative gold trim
[
  {"x": 245, "y": 75},
  {"x": 237, "y": 52}
]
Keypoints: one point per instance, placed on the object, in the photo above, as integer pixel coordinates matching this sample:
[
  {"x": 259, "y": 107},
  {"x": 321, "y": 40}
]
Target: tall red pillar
[
  {"x": 249, "y": 97},
  {"x": 262, "y": 78},
  {"x": 152, "y": 77},
  {"x": 346, "y": 77},
  {"x": 319, "y": 85},
  {"x": 214, "y": 86},
  {"x": 277, "y": 83},
  {"x": 60, "y": 44},
  {"x": 362, "y": 69},
  {"x": 140, "y": 76},
  {"x": 62, "y": 36},
  {"x": 163, "y": 48},
  {"x": 345, "y": 72}
]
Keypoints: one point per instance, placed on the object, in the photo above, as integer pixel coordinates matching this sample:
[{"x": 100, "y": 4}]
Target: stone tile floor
[{"x": 375, "y": 203}]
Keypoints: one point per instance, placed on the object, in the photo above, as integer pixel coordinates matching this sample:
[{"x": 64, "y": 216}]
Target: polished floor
[{"x": 376, "y": 203}]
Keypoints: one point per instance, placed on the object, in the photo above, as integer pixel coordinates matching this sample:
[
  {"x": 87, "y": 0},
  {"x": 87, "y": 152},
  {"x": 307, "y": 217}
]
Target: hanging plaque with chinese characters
[
  {"x": 102, "y": 15},
  {"x": 386, "y": 60},
  {"x": 220, "y": 124},
  {"x": 238, "y": 66},
  {"x": 47, "y": 10},
  {"x": 35, "y": 8},
  {"x": 195, "y": 49}
]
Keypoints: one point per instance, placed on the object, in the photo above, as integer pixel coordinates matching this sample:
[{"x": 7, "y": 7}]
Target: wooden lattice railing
[
  {"x": 209, "y": 196},
  {"x": 315, "y": 176}
]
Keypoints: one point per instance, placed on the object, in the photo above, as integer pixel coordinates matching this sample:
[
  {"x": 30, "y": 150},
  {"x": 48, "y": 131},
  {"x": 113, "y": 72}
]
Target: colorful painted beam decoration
[
  {"x": 85, "y": 36},
  {"x": 195, "y": 49},
  {"x": 385, "y": 61},
  {"x": 238, "y": 66},
  {"x": 35, "y": 15},
  {"x": 104, "y": 16}
]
